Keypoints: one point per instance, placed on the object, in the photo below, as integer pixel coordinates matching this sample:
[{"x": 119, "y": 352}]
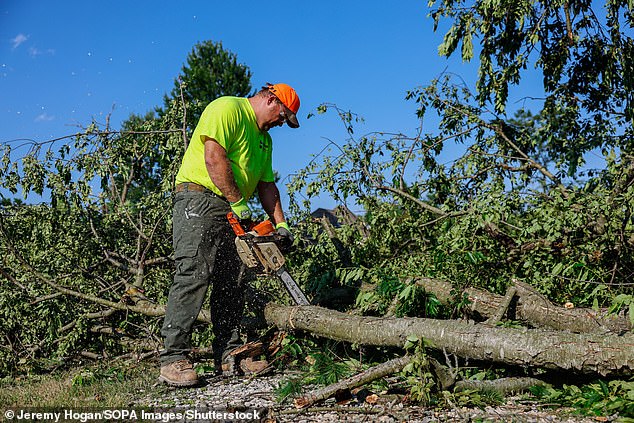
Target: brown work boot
[
  {"x": 227, "y": 367},
  {"x": 179, "y": 373}
]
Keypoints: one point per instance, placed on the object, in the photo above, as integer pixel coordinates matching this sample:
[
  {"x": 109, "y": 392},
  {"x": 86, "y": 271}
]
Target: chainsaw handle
[
  {"x": 264, "y": 228},
  {"x": 235, "y": 224}
]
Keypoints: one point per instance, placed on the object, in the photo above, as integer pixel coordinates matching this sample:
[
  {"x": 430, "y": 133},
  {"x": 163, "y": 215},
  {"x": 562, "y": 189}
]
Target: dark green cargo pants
[{"x": 204, "y": 254}]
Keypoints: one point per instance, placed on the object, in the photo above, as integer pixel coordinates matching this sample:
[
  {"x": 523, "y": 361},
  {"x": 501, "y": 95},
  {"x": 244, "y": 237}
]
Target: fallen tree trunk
[
  {"x": 531, "y": 308},
  {"x": 503, "y": 386},
  {"x": 606, "y": 355}
]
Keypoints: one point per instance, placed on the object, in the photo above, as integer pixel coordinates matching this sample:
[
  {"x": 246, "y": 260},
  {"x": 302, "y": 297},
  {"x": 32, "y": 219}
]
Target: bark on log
[
  {"x": 503, "y": 386},
  {"x": 532, "y": 308},
  {"x": 376, "y": 372},
  {"x": 607, "y": 355}
]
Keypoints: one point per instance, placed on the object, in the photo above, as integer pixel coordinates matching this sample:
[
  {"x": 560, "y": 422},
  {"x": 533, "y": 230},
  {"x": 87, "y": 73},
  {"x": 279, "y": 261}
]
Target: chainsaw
[{"x": 257, "y": 247}]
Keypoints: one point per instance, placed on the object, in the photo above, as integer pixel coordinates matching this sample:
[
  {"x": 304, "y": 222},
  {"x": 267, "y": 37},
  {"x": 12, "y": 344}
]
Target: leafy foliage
[
  {"x": 488, "y": 197},
  {"x": 320, "y": 365},
  {"x": 584, "y": 53},
  {"x": 104, "y": 234},
  {"x": 480, "y": 222},
  {"x": 600, "y": 398},
  {"x": 417, "y": 372}
]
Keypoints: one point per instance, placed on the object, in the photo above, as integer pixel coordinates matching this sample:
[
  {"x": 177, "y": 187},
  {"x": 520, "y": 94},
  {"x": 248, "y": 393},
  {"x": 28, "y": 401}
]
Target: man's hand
[
  {"x": 241, "y": 209},
  {"x": 287, "y": 239}
]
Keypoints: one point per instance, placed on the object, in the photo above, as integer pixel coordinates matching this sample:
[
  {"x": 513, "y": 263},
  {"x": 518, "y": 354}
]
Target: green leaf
[
  {"x": 411, "y": 342},
  {"x": 467, "y": 47}
]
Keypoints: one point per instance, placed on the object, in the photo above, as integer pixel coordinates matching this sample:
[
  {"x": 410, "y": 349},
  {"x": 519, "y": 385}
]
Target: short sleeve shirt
[{"x": 231, "y": 122}]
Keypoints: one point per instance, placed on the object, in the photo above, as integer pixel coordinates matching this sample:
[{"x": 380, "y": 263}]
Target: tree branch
[
  {"x": 185, "y": 140},
  {"x": 376, "y": 372}
]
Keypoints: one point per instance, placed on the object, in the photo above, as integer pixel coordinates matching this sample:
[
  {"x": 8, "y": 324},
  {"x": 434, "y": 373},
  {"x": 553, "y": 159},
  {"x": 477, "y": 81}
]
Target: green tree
[{"x": 210, "y": 72}]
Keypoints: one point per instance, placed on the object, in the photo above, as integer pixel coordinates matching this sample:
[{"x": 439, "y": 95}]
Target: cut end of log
[{"x": 301, "y": 402}]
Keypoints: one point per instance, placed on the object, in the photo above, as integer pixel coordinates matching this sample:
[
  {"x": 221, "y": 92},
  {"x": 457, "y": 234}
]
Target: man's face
[{"x": 276, "y": 114}]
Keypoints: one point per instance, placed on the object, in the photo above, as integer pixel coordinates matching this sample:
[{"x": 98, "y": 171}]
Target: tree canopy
[{"x": 210, "y": 72}]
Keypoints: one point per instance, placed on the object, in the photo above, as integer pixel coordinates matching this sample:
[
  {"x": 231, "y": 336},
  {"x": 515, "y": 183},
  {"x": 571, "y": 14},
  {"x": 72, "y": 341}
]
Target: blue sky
[{"x": 65, "y": 63}]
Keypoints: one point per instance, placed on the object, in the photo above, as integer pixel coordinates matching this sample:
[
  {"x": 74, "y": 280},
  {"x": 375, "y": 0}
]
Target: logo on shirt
[{"x": 265, "y": 144}]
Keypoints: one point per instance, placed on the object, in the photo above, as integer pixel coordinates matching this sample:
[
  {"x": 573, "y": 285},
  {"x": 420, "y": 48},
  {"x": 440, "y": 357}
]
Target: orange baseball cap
[{"x": 287, "y": 95}]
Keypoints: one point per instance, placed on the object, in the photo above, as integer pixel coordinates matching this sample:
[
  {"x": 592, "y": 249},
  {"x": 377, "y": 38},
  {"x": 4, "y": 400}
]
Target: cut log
[
  {"x": 376, "y": 372},
  {"x": 606, "y": 355},
  {"x": 532, "y": 308}
]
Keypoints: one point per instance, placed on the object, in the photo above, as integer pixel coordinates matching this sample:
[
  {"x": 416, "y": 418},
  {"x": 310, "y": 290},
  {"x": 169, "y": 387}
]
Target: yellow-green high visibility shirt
[{"x": 232, "y": 123}]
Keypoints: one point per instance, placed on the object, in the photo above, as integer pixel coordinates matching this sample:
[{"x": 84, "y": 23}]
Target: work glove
[
  {"x": 287, "y": 238},
  {"x": 241, "y": 209}
]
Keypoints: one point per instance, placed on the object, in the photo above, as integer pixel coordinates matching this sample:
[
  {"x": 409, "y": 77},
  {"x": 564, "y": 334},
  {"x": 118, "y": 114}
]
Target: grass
[{"x": 107, "y": 384}]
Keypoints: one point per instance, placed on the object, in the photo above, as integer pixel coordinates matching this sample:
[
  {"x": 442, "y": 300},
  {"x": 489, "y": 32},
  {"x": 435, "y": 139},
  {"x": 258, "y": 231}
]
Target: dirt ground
[{"x": 254, "y": 397}]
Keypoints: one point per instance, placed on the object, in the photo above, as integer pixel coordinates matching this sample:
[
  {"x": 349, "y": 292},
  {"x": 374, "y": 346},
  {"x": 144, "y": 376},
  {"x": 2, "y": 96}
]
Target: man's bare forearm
[
  {"x": 220, "y": 170},
  {"x": 270, "y": 199}
]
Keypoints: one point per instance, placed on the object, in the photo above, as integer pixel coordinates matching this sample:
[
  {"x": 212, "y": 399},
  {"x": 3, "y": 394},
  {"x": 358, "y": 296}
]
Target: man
[{"x": 227, "y": 160}]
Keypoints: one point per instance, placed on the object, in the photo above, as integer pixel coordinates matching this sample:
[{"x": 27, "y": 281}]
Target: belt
[{"x": 190, "y": 186}]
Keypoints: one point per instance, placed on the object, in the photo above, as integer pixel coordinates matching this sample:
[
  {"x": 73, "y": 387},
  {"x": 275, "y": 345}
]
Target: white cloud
[
  {"x": 44, "y": 117},
  {"x": 34, "y": 52},
  {"x": 18, "y": 40}
]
